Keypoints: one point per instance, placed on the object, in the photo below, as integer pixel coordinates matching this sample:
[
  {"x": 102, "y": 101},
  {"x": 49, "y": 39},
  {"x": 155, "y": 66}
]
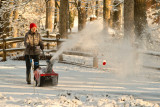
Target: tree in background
[
  {"x": 63, "y": 19},
  {"x": 153, "y": 15},
  {"x": 81, "y": 14},
  {"x": 15, "y": 22},
  {"x": 72, "y": 14},
  {"x": 154, "y": 11},
  {"x": 129, "y": 19},
  {"x": 16, "y": 18},
  {"x": 56, "y": 14},
  {"x": 97, "y": 8},
  {"x": 106, "y": 13},
  {"x": 116, "y": 16},
  {"x": 6, "y": 16},
  {"x": 140, "y": 17},
  {"x": 49, "y": 11},
  {"x": 16, "y": 15}
]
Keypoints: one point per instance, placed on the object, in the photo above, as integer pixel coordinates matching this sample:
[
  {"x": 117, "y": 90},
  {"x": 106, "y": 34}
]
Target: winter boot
[{"x": 28, "y": 77}]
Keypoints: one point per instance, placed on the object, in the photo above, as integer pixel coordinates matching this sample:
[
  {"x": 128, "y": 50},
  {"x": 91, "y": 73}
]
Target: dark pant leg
[
  {"x": 28, "y": 68},
  {"x": 36, "y": 61}
]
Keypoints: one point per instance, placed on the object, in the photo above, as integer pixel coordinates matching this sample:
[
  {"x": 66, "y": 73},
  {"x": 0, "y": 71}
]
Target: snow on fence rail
[
  {"x": 152, "y": 53},
  {"x": 6, "y": 41},
  {"x": 83, "y": 54},
  {"x": 151, "y": 59}
]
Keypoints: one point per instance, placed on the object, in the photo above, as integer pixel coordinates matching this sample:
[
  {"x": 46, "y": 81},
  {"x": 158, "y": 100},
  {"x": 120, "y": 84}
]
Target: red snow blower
[{"x": 46, "y": 76}]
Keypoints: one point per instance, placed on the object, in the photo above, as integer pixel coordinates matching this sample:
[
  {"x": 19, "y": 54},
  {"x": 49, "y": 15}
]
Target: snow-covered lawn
[{"x": 78, "y": 86}]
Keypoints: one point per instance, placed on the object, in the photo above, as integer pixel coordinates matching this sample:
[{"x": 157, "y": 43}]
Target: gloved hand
[
  {"x": 42, "y": 47},
  {"x": 31, "y": 47}
]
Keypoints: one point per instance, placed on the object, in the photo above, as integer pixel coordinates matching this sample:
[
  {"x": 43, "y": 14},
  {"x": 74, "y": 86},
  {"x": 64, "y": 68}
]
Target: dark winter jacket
[{"x": 33, "y": 43}]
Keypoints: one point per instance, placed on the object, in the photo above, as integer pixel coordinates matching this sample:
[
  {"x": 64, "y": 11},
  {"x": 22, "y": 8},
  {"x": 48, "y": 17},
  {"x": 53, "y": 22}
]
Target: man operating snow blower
[{"x": 33, "y": 44}]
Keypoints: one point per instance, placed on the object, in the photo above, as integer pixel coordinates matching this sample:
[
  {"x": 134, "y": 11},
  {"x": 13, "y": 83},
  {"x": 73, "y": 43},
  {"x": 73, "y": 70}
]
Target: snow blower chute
[{"x": 46, "y": 76}]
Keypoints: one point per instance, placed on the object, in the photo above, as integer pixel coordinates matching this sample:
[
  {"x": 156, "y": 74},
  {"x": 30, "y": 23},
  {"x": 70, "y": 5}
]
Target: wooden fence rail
[{"x": 5, "y": 41}]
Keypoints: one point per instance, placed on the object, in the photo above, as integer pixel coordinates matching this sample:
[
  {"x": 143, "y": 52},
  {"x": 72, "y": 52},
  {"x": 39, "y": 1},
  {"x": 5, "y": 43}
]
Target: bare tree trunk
[
  {"x": 117, "y": 15},
  {"x": 49, "y": 8},
  {"x": 97, "y": 8},
  {"x": 81, "y": 15},
  {"x": 140, "y": 17},
  {"x": 63, "y": 18},
  {"x": 56, "y": 15},
  {"x": 71, "y": 17},
  {"x": 106, "y": 13},
  {"x": 10, "y": 18},
  {"x": 1, "y": 20},
  {"x": 87, "y": 9},
  {"x": 129, "y": 19},
  {"x": 15, "y": 30},
  {"x": 68, "y": 27}
]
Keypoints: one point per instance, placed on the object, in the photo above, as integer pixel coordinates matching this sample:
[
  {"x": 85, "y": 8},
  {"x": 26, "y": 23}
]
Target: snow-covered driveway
[{"x": 79, "y": 82}]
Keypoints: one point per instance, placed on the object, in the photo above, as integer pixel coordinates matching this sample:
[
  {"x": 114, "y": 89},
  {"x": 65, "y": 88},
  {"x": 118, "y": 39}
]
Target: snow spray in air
[
  {"x": 86, "y": 39},
  {"x": 119, "y": 53}
]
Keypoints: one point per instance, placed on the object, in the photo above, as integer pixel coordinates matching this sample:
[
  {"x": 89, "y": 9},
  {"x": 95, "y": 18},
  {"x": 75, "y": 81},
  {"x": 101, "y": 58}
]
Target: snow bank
[{"x": 69, "y": 99}]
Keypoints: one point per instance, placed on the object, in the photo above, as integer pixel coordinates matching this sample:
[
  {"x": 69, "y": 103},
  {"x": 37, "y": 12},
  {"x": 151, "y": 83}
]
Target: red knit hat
[{"x": 32, "y": 25}]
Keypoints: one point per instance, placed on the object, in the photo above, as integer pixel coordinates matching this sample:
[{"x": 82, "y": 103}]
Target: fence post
[
  {"x": 95, "y": 62},
  {"x": 95, "y": 59},
  {"x": 4, "y": 48},
  {"x": 48, "y": 38}
]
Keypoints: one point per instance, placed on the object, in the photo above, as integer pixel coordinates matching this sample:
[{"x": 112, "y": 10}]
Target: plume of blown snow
[{"x": 120, "y": 54}]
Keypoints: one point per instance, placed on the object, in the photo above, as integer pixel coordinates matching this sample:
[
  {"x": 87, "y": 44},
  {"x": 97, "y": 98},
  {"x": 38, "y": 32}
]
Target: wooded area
[{"x": 129, "y": 17}]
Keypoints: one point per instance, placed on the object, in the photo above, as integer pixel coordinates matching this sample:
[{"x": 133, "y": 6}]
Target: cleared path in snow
[{"x": 80, "y": 80}]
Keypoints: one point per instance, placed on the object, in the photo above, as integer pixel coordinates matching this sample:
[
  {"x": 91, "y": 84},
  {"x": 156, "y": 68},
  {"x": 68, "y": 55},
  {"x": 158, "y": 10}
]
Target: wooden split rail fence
[{"x": 5, "y": 41}]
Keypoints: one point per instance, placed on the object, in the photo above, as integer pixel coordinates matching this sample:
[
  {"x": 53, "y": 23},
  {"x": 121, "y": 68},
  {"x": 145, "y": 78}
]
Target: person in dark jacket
[{"x": 33, "y": 43}]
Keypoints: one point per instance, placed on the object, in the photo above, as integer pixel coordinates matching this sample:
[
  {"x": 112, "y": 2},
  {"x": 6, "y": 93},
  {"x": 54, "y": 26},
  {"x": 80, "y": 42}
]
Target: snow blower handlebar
[{"x": 43, "y": 54}]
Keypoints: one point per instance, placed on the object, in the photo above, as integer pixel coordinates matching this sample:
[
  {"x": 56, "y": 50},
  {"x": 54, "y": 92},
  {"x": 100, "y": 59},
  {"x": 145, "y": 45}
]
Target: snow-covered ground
[
  {"x": 122, "y": 82},
  {"x": 79, "y": 87}
]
